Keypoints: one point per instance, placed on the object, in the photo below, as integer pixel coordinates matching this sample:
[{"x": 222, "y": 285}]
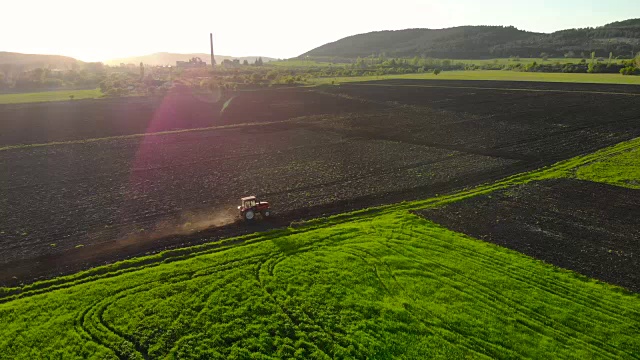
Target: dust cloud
[{"x": 186, "y": 223}]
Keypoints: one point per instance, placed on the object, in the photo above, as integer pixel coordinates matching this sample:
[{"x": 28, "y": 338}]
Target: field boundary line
[
  {"x": 554, "y": 171},
  {"x": 159, "y": 133},
  {"x": 494, "y": 88}
]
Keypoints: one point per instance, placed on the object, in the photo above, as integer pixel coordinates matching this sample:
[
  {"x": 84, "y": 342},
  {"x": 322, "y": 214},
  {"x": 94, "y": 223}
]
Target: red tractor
[{"x": 251, "y": 206}]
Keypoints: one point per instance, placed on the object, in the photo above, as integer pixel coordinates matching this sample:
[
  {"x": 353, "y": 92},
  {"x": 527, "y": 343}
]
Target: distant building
[
  {"x": 195, "y": 62},
  {"x": 231, "y": 63}
]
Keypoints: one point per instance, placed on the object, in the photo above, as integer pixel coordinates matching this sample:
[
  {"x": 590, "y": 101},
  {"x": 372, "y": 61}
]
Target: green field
[
  {"x": 62, "y": 95},
  {"x": 499, "y": 75},
  {"x": 378, "y": 283},
  {"x": 621, "y": 169},
  {"x": 479, "y": 62},
  {"x": 524, "y": 61}
]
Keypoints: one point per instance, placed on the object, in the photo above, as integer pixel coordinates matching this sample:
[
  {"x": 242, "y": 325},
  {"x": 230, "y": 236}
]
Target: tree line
[{"x": 13, "y": 77}]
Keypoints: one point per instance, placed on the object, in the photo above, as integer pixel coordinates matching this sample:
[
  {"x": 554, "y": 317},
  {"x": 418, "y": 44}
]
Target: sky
[{"x": 100, "y": 30}]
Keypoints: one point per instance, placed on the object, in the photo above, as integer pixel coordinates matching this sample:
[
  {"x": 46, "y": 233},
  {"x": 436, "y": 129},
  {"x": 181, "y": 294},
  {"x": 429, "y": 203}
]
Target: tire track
[
  {"x": 539, "y": 320},
  {"x": 91, "y": 320},
  {"x": 430, "y": 326},
  {"x": 589, "y": 301}
]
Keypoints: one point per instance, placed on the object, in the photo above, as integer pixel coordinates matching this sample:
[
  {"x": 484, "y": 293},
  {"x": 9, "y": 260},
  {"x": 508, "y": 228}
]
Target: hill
[
  {"x": 620, "y": 38},
  {"x": 36, "y": 60},
  {"x": 165, "y": 58},
  {"x": 469, "y": 42},
  {"x": 458, "y": 42}
]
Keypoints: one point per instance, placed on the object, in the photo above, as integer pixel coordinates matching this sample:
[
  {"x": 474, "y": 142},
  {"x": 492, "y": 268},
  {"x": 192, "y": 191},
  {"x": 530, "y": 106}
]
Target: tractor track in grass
[
  {"x": 270, "y": 271},
  {"x": 270, "y": 263},
  {"x": 494, "y": 301},
  {"x": 430, "y": 325},
  {"x": 590, "y": 301},
  {"x": 91, "y": 321},
  {"x": 467, "y": 337}
]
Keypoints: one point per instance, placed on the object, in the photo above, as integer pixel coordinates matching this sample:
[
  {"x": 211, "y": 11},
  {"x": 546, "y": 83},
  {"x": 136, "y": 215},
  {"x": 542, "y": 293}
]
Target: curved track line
[
  {"x": 100, "y": 329},
  {"x": 467, "y": 338},
  {"x": 270, "y": 262},
  {"x": 589, "y": 300},
  {"x": 539, "y": 320}
]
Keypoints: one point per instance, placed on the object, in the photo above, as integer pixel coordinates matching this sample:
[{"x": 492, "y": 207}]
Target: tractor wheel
[
  {"x": 249, "y": 215},
  {"x": 266, "y": 213}
]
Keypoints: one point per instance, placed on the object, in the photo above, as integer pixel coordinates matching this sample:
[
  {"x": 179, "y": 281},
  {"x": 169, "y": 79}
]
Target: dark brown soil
[
  {"x": 527, "y": 125},
  {"x": 590, "y": 228},
  {"x": 309, "y": 152},
  {"x": 36, "y": 123}
]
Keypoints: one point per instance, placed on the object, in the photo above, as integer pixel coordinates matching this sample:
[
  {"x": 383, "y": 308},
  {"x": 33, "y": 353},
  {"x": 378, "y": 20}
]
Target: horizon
[{"x": 268, "y": 30}]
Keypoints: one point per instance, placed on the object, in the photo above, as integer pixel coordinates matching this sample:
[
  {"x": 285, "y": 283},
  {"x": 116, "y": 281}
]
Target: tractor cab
[
  {"x": 248, "y": 202},
  {"x": 250, "y": 205}
]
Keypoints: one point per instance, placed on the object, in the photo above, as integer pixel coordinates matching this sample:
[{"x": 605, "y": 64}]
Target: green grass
[
  {"x": 380, "y": 287},
  {"x": 44, "y": 96},
  {"x": 499, "y": 75},
  {"x": 621, "y": 169},
  {"x": 505, "y": 61},
  {"x": 378, "y": 283},
  {"x": 479, "y": 62}
]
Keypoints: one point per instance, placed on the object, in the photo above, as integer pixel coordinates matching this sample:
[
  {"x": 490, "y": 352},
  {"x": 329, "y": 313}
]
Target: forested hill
[
  {"x": 473, "y": 42},
  {"x": 36, "y": 60}
]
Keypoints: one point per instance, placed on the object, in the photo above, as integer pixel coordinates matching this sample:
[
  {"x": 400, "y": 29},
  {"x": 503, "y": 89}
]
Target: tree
[
  {"x": 141, "y": 71},
  {"x": 570, "y": 54},
  {"x": 38, "y": 75},
  {"x": 630, "y": 70},
  {"x": 637, "y": 61},
  {"x": 272, "y": 75},
  {"x": 544, "y": 56},
  {"x": 437, "y": 72},
  {"x": 256, "y": 78},
  {"x": 53, "y": 83},
  {"x": 245, "y": 62}
]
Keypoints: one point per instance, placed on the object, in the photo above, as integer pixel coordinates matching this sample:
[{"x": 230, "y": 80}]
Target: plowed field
[
  {"x": 108, "y": 193},
  {"x": 586, "y": 227}
]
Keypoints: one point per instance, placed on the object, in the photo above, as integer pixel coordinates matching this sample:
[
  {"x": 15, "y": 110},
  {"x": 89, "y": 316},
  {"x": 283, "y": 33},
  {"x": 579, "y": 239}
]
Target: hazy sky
[{"x": 99, "y": 30}]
